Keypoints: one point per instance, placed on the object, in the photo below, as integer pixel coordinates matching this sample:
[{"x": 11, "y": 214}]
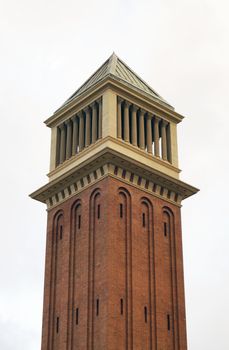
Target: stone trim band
[{"x": 119, "y": 173}]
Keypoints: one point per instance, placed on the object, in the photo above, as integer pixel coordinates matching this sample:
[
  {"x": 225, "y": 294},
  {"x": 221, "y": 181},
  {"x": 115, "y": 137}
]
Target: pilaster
[{"x": 109, "y": 113}]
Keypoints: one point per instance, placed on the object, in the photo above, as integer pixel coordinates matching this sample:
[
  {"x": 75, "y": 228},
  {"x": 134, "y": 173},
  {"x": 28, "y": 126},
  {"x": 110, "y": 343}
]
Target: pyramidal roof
[{"x": 118, "y": 70}]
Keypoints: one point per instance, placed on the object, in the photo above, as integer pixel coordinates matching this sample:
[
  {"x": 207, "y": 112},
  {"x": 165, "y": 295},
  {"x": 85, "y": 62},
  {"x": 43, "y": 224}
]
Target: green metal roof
[{"x": 118, "y": 70}]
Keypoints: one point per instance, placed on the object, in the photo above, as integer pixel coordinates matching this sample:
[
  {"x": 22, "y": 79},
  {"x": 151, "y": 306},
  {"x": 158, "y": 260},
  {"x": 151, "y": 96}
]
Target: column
[
  {"x": 168, "y": 137},
  {"x": 69, "y": 139},
  {"x": 141, "y": 130},
  {"x": 57, "y": 148},
  {"x": 164, "y": 140},
  {"x": 149, "y": 133},
  {"x": 134, "y": 125},
  {"x": 119, "y": 118},
  {"x": 100, "y": 119},
  {"x": 156, "y": 136},
  {"x": 88, "y": 127},
  {"x": 94, "y": 122},
  {"x": 62, "y": 143},
  {"x": 81, "y": 130},
  {"x": 126, "y": 122},
  {"x": 75, "y": 135}
]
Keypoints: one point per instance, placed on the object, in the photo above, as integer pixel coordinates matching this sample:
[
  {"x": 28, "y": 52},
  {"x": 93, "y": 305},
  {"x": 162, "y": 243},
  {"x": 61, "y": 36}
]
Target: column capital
[
  {"x": 120, "y": 99},
  {"x": 164, "y": 122},
  {"x": 149, "y": 116},
  {"x": 61, "y": 126},
  {"x": 68, "y": 122},
  {"x": 86, "y": 109},
  {"x": 142, "y": 111},
  {"x": 93, "y": 104},
  {"x": 157, "y": 119},
  {"x": 134, "y": 108},
  {"x": 127, "y": 103},
  {"x": 80, "y": 114},
  {"x": 74, "y": 118}
]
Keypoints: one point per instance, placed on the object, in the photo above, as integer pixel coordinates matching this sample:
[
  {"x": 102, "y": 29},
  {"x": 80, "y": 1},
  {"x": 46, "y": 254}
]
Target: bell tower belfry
[{"x": 114, "y": 266}]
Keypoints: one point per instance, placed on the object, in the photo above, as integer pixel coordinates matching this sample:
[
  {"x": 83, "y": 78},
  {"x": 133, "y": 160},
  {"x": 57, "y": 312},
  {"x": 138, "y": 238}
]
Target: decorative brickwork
[{"x": 131, "y": 251}]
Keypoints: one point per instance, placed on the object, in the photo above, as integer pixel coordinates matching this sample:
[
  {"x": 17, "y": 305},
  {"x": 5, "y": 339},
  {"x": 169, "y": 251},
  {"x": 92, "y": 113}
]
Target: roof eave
[{"x": 99, "y": 86}]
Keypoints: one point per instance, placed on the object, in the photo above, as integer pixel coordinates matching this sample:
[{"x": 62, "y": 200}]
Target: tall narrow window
[
  {"x": 98, "y": 211},
  {"x": 168, "y": 322},
  {"x": 165, "y": 229},
  {"x": 61, "y": 231},
  {"x": 143, "y": 219},
  {"x": 57, "y": 324},
  {"x": 121, "y": 210},
  {"x": 121, "y": 306},
  {"x": 145, "y": 314},
  {"x": 97, "y": 307},
  {"x": 77, "y": 316},
  {"x": 79, "y": 221}
]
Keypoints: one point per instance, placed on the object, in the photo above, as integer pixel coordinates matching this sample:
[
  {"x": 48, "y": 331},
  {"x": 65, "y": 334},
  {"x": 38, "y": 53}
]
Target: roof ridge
[
  {"x": 113, "y": 59},
  {"x": 143, "y": 81},
  {"x": 118, "y": 69},
  {"x": 85, "y": 83}
]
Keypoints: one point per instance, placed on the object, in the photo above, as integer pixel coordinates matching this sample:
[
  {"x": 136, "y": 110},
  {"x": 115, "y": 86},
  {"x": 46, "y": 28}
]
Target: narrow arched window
[
  {"x": 143, "y": 219},
  {"x": 121, "y": 306},
  {"x": 165, "y": 229},
  {"x": 57, "y": 324},
  {"x": 79, "y": 221},
  {"x": 61, "y": 231},
  {"x": 97, "y": 307},
  {"x": 168, "y": 322},
  {"x": 145, "y": 314},
  {"x": 121, "y": 210}
]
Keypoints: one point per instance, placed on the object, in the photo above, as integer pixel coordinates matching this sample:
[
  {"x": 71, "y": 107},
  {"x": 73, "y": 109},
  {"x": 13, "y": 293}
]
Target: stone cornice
[
  {"x": 126, "y": 145},
  {"x": 126, "y": 91},
  {"x": 110, "y": 163}
]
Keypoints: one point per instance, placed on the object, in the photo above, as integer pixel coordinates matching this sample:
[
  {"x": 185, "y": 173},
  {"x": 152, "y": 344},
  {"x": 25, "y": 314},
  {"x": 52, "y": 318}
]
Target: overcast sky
[{"x": 49, "y": 48}]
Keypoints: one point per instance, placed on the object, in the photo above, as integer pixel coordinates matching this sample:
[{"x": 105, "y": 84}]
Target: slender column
[
  {"x": 141, "y": 130},
  {"x": 156, "y": 136},
  {"x": 57, "y": 129},
  {"x": 81, "y": 131},
  {"x": 94, "y": 122},
  {"x": 100, "y": 119},
  {"x": 88, "y": 127},
  {"x": 69, "y": 139},
  {"x": 149, "y": 133},
  {"x": 168, "y": 136},
  {"x": 75, "y": 135},
  {"x": 62, "y": 143},
  {"x": 119, "y": 118},
  {"x": 134, "y": 125},
  {"x": 164, "y": 140},
  {"x": 126, "y": 122}
]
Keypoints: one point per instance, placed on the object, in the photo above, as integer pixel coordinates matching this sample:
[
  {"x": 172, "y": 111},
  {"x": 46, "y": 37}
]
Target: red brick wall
[{"x": 127, "y": 269}]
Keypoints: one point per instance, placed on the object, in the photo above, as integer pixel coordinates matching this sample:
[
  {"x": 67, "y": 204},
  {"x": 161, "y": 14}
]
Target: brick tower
[{"x": 114, "y": 269}]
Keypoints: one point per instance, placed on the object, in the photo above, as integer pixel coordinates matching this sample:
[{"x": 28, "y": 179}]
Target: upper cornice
[
  {"x": 142, "y": 98},
  {"x": 155, "y": 182},
  {"x": 118, "y": 69}
]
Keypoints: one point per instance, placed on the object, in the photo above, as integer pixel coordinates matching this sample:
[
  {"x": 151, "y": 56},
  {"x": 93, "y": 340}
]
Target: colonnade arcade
[
  {"x": 135, "y": 125},
  {"x": 79, "y": 131},
  {"x": 143, "y": 129}
]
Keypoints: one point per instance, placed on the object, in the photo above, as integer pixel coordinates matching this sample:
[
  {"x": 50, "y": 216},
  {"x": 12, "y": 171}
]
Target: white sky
[{"x": 48, "y": 48}]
